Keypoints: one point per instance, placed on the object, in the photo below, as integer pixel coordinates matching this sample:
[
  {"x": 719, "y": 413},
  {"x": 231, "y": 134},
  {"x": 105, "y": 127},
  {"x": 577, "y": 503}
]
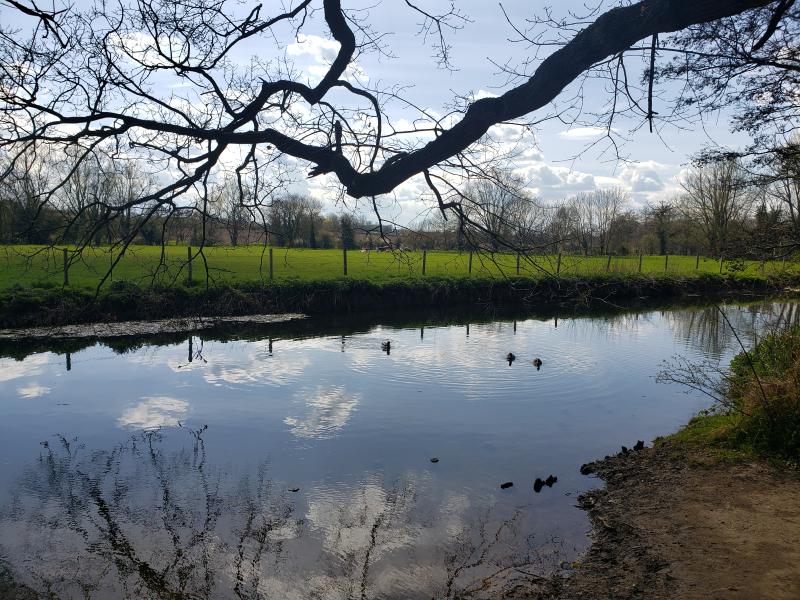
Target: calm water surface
[{"x": 299, "y": 467}]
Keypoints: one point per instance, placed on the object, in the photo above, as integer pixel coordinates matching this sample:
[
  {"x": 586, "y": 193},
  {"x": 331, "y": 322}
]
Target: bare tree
[
  {"x": 129, "y": 182},
  {"x": 594, "y": 217},
  {"x": 86, "y": 197},
  {"x": 660, "y": 216},
  {"x": 498, "y": 212},
  {"x": 85, "y": 80},
  {"x": 231, "y": 207},
  {"x": 608, "y": 206},
  {"x": 22, "y": 193},
  {"x": 716, "y": 198},
  {"x": 783, "y": 185},
  {"x": 290, "y": 218}
]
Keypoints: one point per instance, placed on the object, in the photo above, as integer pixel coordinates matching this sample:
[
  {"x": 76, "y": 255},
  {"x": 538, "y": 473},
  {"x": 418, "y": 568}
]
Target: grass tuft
[{"x": 761, "y": 415}]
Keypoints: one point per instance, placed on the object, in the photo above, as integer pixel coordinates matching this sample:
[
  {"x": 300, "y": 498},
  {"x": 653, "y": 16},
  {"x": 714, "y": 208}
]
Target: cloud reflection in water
[
  {"x": 328, "y": 412},
  {"x": 154, "y": 412},
  {"x": 32, "y": 391}
]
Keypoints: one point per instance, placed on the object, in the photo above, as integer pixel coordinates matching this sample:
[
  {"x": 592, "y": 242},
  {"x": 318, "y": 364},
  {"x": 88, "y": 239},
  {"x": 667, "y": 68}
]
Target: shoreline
[
  {"x": 48, "y": 307},
  {"x": 679, "y": 521}
]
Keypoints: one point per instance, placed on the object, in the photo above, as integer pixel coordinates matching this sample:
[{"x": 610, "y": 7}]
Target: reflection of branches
[
  {"x": 104, "y": 498},
  {"x": 141, "y": 520},
  {"x": 257, "y": 538},
  {"x": 483, "y": 560},
  {"x": 706, "y": 329}
]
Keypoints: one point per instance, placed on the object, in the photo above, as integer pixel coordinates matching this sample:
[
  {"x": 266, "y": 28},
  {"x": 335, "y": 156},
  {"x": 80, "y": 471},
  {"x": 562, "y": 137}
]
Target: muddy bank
[
  {"x": 33, "y": 307},
  {"x": 139, "y": 328},
  {"x": 674, "y": 522}
]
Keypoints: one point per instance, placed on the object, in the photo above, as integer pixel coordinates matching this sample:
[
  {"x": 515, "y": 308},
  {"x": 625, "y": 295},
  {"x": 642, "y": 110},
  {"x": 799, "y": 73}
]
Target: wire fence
[{"x": 48, "y": 266}]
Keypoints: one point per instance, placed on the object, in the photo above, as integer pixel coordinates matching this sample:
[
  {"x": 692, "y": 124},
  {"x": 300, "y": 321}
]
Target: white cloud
[
  {"x": 257, "y": 368},
  {"x": 328, "y": 412},
  {"x": 32, "y": 391},
  {"x": 322, "y": 50},
  {"x": 644, "y": 176},
  {"x": 551, "y": 182},
  {"x": 584, "y": 133},
  {"x": 13, "y": 369},
  {"x": 154, "y": 412}
]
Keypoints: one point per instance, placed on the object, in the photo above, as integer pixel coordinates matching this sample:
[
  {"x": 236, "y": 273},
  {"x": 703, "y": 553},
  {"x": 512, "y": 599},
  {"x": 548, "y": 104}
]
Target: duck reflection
[{"x": 152, "y": 518}]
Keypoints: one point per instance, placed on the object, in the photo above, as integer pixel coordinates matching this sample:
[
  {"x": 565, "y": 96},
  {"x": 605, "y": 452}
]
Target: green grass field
[{"x": 41, "y": 266}]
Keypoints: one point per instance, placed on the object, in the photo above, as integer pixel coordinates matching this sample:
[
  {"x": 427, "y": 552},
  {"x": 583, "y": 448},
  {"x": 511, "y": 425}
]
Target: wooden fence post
[
  {"x": 697, "y": 263},
  {"x": 271, "y": 271},
  {"x": 666, "y": 261},
  {"x": 66, "y": 268},
  {"x": 640, "y": 261},
  {"x": 720, "y": 264},
  {"x": 558, "y": 264},
  {"x": 344, "y": 259},
  {"x": 517, "y": 263},
  {"x": 424, "y": 260},
  {"x": 608, "y": 263},
  {"x": 470, "y": 262},
  {"x": 189, "y": 261}
]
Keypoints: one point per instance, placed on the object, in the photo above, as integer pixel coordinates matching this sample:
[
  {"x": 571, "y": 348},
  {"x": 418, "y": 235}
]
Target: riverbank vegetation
[
  {"x": 48, "y": 304},
  {"x": 757, "y": 400}
]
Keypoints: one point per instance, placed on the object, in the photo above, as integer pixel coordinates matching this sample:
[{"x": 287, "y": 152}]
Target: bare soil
[
  {"x": 674, "y": 522},
  {"x": 134, "y": 328}
]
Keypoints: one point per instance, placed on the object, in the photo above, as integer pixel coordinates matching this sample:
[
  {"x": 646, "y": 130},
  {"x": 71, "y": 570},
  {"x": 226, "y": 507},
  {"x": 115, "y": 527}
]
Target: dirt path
[{"x": 674, "y": 523}]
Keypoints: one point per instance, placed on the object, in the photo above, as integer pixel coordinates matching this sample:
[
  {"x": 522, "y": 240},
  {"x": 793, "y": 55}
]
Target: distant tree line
[
  {"x": 231, "y": 213},
  {"x": 726, "y": 207}
]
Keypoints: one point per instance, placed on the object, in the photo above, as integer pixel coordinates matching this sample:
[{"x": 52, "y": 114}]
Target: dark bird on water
[
  {"x": 539, "y": 484},
  {"x": 434, "y": 460},
  {"x": 537, "y": 362},
  {"x": 506, "y": 485},
  {"x": 386, "y": 346},
  {"x": 510, "y": 358}
]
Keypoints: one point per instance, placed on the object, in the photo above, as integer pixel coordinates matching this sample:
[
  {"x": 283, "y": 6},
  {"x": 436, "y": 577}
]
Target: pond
[{"x": 296, "y": 462}]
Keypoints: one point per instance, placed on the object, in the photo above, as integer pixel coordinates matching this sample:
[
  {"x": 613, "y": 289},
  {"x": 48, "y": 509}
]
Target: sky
[
  {"x": 558, "y": 160},
  {"x": 555, "y": 159}
]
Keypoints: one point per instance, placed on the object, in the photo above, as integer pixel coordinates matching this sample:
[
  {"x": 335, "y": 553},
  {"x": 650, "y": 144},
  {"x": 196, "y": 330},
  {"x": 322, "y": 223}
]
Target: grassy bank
[
  {"x": 22, "y": 306},
  {"x": 758, "y": 408},
  {"x": 42, "y": 266}
]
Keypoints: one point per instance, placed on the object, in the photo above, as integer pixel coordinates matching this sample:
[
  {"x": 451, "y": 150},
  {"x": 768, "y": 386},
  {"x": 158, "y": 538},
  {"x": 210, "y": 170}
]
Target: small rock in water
[
  {"x": 587, "y": 469},
  {"x": 551, "y": 479},
  {"x": 293, "y": 490},
  {"x": 386, "y": 346},
  {"x": 639, "y": 445},
  {"x": 537, "y": 485},
  {"x": 506, "y": 485},
  {"x": 537, "y": 362},
  {"x": 625, "y": 450},
  {"x": 434, "y": 460}
]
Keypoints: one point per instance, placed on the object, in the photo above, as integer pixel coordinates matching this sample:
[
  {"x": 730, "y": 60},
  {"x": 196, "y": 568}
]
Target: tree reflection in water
[{"x": 145, "y": 521}]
